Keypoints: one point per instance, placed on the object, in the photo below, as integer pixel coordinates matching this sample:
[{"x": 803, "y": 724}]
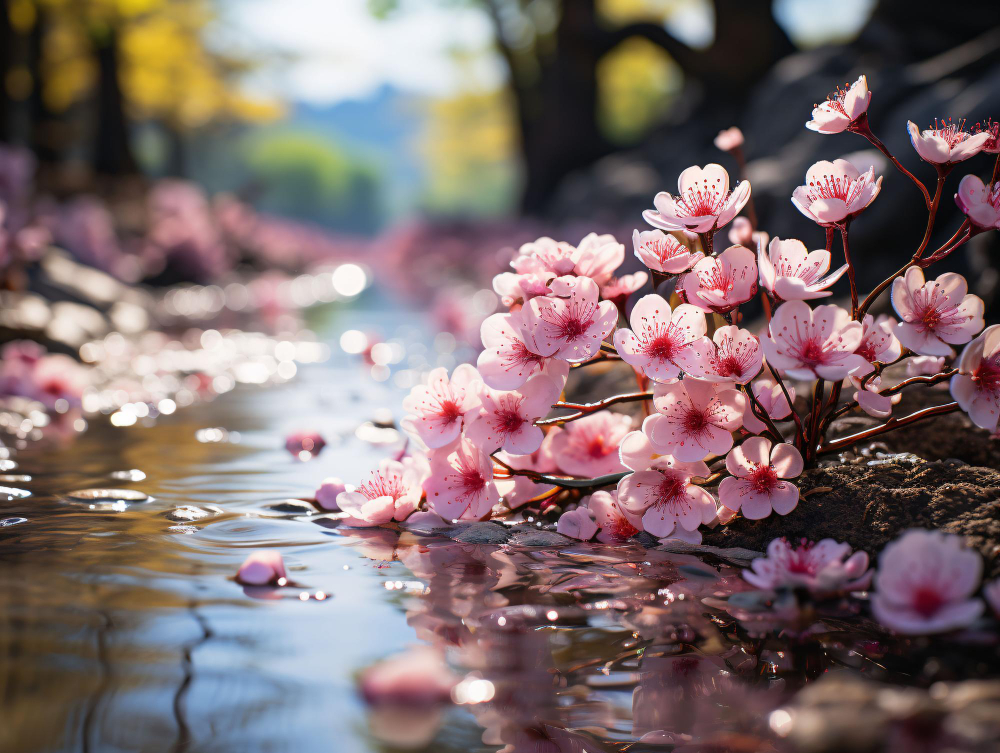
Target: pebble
[{"x": 108, "y": 495}]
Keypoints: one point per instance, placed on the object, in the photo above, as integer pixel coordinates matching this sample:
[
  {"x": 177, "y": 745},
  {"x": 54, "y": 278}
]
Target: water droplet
[
  {"x": 108, "y": 495},
  {"x": 133, "y": 474}
]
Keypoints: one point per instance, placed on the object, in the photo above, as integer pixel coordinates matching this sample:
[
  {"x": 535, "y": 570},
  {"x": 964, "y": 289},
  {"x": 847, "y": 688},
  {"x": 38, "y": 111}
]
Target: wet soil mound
[{"x": 870, "y": 502}]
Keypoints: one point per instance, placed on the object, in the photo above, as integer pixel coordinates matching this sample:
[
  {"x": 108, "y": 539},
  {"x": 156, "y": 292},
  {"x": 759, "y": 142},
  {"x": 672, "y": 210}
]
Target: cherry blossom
[
  {"x": 946, "y": 142},
  {"x": 417, "y": 678},
  {"x": 925, "y": 582},
  {"x": 508, "y": 358},
  {"x": 262, "y": 568},
  {"x": 694, "y": 419},
  {"x": 573, "y": 328},
  {"x": 329, "y": 490},
  {"x": 720, "y": 283},
  {"x": 589, "y": 447},
  {"x": 991, "y": 127},
  {"x": 663, "y": 253},
  {"x": 598, "y": 256},
  {"x": 921, "y": 365},
  {"x": 577, "y": 523},
  {"x": 757, "y": 486},
  {"x": 878, "y": 341},
  {"x": 981, "y": 204},
  {"x": 791, "y": 273},
  {"x": 735, "y": 357},
  {"x": 617, "y": 289},
  {"x": 392, "y": 492},
  {"x": 460, "y": 484},
  {"x": 835, "y": 191},
  {"x": 506, "y": 417},
  {"x": 514, "y": 288},
  {"x": 822, "y": 567},
  {"x": 436, "y": 411},
  {"x": 729, "y": 139},
  {"x": 662, "y": 342},
  {"x": 666, "y": 498},
  {"x": 635, "y": 450},
  {"x": 518, "y": 490},
  {"x": 842, "y": 108},
  {"x": 703, "y": 203},
  {"x": 772, "y": 399},
  {"x": 976, "y": 387},
  {"x": 991, "y": 591},
  {"x": 741, "y": 233},
  {"x": 868, "y": 397},
  {"x": 936, "y": 315},
  {"x": 808, "y": 343},
  {"x": 616, "y": 524}
]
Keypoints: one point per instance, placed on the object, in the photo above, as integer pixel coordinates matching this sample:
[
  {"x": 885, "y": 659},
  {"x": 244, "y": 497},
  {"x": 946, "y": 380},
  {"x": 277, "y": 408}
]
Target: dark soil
[{"x": 871, "y": 502}]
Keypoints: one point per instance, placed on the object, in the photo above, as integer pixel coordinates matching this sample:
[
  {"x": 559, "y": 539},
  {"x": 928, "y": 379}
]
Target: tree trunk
[{"x": 112, "y": 150}]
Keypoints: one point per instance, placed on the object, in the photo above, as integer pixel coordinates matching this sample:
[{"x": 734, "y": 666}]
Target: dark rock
[
  {"x": 292, "y": 507},
  {"x": 482, "y": 533},
  {"x": 538, "y": 537},
  {"x": 869, "y": 505}
]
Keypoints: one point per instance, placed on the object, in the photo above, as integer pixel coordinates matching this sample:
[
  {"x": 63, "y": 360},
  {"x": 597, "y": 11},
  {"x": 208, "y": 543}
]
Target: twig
[
  {"x": 850, "y": 269},
  {"x": 585, "y": 409},
  {"x": 861, "y": 126},
  {"x": 761, "y": 414},
  {"x": 892, "y": 423}
]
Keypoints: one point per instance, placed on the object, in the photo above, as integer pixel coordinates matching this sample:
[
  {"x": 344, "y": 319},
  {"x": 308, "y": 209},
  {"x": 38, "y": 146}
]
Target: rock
[
  {"x": 868, "y": 505},
  {"x": 735, "y": 555},
  {"x": 528, "y": 536},
  {"x": 292, "y": 507},
  {"x": 482, "y": 533}
]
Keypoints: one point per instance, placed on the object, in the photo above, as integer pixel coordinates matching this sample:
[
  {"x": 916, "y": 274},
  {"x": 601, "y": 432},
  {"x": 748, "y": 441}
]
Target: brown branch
[
  {"x": 762, "y": 415},
  {"x": 861, "y": 126},
  {"x": 585, "y": 409},
  {"x": 892, "y": 423},
  {"x": 800, "y": 432}
]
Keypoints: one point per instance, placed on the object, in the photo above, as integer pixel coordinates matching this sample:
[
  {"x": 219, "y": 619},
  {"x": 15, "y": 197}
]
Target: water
[{"x": 122, "y": 629}]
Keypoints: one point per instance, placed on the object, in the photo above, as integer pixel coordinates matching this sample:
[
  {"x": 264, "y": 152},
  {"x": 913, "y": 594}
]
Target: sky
[{"x": 335, "y": 50}]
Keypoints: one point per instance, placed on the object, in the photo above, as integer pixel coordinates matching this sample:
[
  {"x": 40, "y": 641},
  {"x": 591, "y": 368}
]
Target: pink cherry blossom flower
[
  {"x": 703, "y": 202},
  {"x": 924, "y": 365},
  {"x": 617, "y": 289},
  {"x": 791, "y": 273},
  {"x": 925, "y": 582},
  {"x": 992, "y": 593},
  {"x": 679, "y": 534},
  {"x": 981, "y": 204},
  {"x": 869, "y": 397},
  {"x": 545, "y": 257},
  {"x": 666, "y": 498},
  {"x": 807, "y": 343},
  {"x": 720, "y": 283},
  {"x": 262, "y": 568},
  {"x": 663, "y": 253},
  {"x": 506, "y": 418},
  {"x": 735, "y": 357},
  {"x": 635, "y": 450},
  {"x": 58, "y": 380},
  {"x": 835, "y": 191},
  {"x": 517, "y": 490},
  {"x": 823, "y": 567},
  {"x": 436, "y": 411},
  {"x": 662, "y": 342},
  {"x": 24, "y": 352},
  {"x": 694, "y": 419},
  {"x": 598, "y": 256},
  {"x": 573, "y": 328},
  {"x": 508, "y": 358},
  {"x": 577, "y": 523},
  {"x": 589, "y": 446},
  {"x": 757, "y": 486},
  {"x": 878, "y": 341},
  {"x": 460, "y": 484},
  {"x": 329, "y": 490},
  {"x": 772, "y": 399},
  {"x": 616, "y": 524},
  {"x": 935, "y": 314},
  {"x": 417, "y": 678},
  {"x": 514, "y": 288},
  {"x": 729, "y": 139},
  {"x": 976, "y": 386},
  {"x": 842, "y": 108},
  {"x": 991, "y": 127},
  {"x": 305, "y": 444},
  {"x": 392, "y": 492},
  {"x": 742, "y": 234},
  {"x": 946, "y": 142}
]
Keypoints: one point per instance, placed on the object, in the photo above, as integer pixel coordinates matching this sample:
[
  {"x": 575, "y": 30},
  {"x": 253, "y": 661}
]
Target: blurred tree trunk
[
  {"x": 6, "y": 62},
  {"x": 43, "y": 121},
  {"x": 177, "y": 157},
  {"x": 557, "y": 96},
  {"x": 112, "y": 149}
]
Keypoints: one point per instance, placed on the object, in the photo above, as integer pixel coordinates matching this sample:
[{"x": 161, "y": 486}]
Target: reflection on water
[{"x": 121, "y": 628}]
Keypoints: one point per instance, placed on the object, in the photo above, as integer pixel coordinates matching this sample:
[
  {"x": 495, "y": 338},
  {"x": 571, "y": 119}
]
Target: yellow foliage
[{"x": 635, "y": 84}]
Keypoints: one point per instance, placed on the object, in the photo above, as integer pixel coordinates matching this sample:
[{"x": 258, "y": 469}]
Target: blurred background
[{"x": 426, "y": 135}]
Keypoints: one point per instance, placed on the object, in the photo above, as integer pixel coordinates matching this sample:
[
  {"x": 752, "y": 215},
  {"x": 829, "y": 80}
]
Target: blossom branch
[
  {"x": 942, "y": 174},
  {"x": 860, "y": 126},
  {"x": 800, "y": 432},
  {"x": 761, "y": 414},
  {"x": 892, "y": 423},
  {"x": 585, "y": 409},
  {"x": 850, "y": 269}
]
